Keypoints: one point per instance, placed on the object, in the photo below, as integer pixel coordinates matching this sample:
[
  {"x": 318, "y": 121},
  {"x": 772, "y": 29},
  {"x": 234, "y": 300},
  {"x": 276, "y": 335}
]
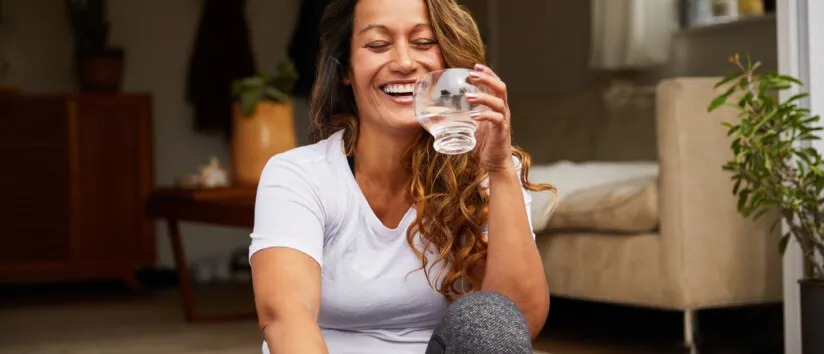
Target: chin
[{"x": 404, "y": 120}]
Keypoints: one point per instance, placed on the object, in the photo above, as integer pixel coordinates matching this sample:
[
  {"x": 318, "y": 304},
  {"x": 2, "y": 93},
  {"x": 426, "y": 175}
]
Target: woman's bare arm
[
  {"x": 513, "y": 265},
  {"x": 287, "y": 289}
]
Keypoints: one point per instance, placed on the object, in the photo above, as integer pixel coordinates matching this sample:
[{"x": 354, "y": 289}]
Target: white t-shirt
[{"x": 373, "y": 299}]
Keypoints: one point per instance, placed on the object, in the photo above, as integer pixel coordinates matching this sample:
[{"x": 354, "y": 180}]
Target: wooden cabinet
[{"x": 75, "y": 171}]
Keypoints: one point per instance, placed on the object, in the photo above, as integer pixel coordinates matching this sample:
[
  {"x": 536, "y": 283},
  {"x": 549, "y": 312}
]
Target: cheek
[
  {"x": 365, "y": 67},
  {"x": 433, "y": 60}
]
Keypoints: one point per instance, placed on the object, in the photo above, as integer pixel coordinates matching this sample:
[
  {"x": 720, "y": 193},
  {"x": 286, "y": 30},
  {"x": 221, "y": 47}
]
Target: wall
[
  {"x": 543, "y": 46},
  {"x": 704, "y": 51},
  {"x": 158, "y": 37},
  {"x": 39, "y": 33},
  {"x": 543, "y": 56}
]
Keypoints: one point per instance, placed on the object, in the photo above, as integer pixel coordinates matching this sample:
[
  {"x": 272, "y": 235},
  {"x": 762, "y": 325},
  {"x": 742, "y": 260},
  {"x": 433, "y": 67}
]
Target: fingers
[
  {"x": 484, "y": 69},
  {"x": 495, "y": 103},
  {"x": 484, "y": 76},
  {"x": 493, "y": 117}
]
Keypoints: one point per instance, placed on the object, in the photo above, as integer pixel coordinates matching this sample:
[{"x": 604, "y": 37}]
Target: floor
[{"x": 102, "y": 318}]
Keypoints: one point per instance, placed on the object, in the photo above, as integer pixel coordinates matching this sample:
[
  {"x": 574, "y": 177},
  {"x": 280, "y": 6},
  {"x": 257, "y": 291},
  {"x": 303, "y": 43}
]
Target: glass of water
[{"x": 442, "y": 109}]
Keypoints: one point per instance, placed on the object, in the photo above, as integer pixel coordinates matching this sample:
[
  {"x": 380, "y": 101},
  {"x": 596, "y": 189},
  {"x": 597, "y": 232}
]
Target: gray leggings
[{"x": 481, "y": 323}]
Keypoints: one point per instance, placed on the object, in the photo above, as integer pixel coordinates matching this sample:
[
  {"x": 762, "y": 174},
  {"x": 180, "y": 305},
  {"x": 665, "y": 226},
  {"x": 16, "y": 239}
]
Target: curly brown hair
[{"x": 446, "y": 190}]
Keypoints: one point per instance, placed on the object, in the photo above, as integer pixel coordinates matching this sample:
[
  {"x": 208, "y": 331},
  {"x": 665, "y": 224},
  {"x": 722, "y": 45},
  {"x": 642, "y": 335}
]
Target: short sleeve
[
  {"x": 527, "y": 202},
  {"x": 288, "y": 212}
]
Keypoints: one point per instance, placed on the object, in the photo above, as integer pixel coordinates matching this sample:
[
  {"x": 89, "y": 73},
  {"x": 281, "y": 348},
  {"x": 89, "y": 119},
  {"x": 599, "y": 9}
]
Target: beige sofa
[{"x": 696, "y": 253}]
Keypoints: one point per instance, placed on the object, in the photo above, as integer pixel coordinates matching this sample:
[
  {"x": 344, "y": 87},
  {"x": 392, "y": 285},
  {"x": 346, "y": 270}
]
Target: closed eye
[
  {"x": 377, "y": 45},
  {"x": 425, "y": 44}
]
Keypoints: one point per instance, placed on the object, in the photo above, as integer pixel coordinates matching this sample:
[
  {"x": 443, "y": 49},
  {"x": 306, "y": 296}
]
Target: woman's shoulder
[{"x": 309, "y": 166}]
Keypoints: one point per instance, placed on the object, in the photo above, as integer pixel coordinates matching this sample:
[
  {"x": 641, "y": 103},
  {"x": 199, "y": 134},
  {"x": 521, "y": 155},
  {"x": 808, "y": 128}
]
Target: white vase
[{"x": 699, "y": 12}]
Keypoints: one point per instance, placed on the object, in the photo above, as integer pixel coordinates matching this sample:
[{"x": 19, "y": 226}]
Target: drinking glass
[{"x": 442, "y": 109}]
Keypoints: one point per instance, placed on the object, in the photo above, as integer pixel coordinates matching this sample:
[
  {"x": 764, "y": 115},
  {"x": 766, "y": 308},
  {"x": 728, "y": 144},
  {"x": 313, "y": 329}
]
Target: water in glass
[{"x": 442, "y": 109}]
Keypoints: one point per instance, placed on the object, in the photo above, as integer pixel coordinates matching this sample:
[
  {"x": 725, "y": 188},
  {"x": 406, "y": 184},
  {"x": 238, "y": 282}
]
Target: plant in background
[
  {"x": 771, "y": 168},
  {"x": 88, "y": 21},
  {"x": 274, "y": 87}
]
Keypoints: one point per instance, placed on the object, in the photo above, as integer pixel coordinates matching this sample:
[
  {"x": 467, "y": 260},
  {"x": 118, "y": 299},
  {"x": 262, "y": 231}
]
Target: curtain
[
  {"x": 305, "y": 44},
  {"x": 222, "y": 53},
  {"x": 632, "y": 34}
]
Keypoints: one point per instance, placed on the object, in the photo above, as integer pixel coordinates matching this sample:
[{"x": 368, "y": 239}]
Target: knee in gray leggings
[{"x": 480, "y": 323}]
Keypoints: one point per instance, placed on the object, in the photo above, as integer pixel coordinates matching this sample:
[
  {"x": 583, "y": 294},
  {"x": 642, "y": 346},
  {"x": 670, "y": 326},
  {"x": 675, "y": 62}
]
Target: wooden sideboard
[{"x": 75, "y": 171}]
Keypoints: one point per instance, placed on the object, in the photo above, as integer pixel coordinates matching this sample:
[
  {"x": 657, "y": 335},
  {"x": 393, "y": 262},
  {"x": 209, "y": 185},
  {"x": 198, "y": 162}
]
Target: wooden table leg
[
  {"x": 182, "y": 271},
  {"x": 185, "y": 283}
]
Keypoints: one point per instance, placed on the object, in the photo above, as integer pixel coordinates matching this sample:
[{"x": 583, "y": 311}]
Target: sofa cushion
[
  {"x": 628, "y": 206},
  {"x": 571, "y": 178}
]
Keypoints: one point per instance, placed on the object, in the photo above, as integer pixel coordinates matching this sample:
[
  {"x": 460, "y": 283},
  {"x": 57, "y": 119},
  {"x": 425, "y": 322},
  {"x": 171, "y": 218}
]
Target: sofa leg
[{"x": 690, "y": 329}]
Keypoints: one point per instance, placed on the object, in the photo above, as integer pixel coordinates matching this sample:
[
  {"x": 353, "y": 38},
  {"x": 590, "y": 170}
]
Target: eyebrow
[{"x": 386, "y": 29}]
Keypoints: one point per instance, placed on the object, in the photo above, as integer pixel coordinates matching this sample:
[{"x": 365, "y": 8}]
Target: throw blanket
[{"x": 569, "y": 177}]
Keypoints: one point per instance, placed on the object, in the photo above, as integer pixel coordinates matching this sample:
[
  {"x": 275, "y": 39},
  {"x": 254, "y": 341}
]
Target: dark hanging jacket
[
  {"x": 221, "y": 54},
  {"x": 305, "y": 44}
]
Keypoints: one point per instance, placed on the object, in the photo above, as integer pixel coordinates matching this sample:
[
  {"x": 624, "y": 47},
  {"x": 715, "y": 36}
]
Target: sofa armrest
[{"x": 715, "y": 255}]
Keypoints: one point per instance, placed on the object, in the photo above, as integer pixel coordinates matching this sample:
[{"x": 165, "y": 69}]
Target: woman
[{"x": 363, "y": 240}]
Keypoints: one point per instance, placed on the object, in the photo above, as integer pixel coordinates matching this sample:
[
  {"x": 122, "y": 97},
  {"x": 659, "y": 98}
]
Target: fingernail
[
  {"x": 479, "y": 67},
  {"x": 475, "y": 114},
  {"x": 471, "y": 95},
  {"x": 474, "y": 74}
]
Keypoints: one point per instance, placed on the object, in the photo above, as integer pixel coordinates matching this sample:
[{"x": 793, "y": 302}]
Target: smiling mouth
[{"x": 398, "y": 90}]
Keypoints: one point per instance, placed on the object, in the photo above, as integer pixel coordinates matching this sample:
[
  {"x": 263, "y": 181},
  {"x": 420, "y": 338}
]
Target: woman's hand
[{"x": 493, "y": 134}]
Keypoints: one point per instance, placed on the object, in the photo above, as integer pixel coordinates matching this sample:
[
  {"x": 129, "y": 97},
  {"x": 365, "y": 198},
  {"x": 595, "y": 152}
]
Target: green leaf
[
  {"x": 774, "y": 224},
  {"x": 278, "y": 86},
  {"x": 756, "y": 66},
  {"x": 729, "y": 77},
  {"x": 742, "y": 199},
  {"x": 760, "y": 213},
  {"x": 790, "y": 79},
  {"x": 763, "y": 87},
  {"x": 782, "y": 244},
  {"x": 249, "y": 97},
  {"x": 810, "y": 120},
  {"x": 796, "y": 98},
  {"x": 274, "y": 94},
  {"x": 799, "y": 166},
  {"x": 717, "y": 102},
  {"x": 720, "y": 100}
]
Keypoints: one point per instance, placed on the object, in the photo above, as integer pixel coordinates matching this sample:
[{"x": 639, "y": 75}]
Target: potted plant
[
  {"x": 773, "y": 171},
  {"x": 262, "y": 122},
  {"x": 99, "y": 66}
]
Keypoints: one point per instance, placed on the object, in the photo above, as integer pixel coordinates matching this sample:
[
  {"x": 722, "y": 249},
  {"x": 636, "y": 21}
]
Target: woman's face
[{"x": 392, "y": 46}]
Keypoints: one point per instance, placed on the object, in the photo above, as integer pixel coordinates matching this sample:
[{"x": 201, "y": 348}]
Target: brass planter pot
[{"x": 255, "y": 139}]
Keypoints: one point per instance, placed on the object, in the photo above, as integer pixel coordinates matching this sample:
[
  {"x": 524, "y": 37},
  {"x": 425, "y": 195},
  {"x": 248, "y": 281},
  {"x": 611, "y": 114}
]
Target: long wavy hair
[{"x": 447, "y": 191}]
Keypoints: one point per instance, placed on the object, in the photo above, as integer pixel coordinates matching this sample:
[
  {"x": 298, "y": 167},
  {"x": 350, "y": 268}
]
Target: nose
[{"x": 402, "y": 59}]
